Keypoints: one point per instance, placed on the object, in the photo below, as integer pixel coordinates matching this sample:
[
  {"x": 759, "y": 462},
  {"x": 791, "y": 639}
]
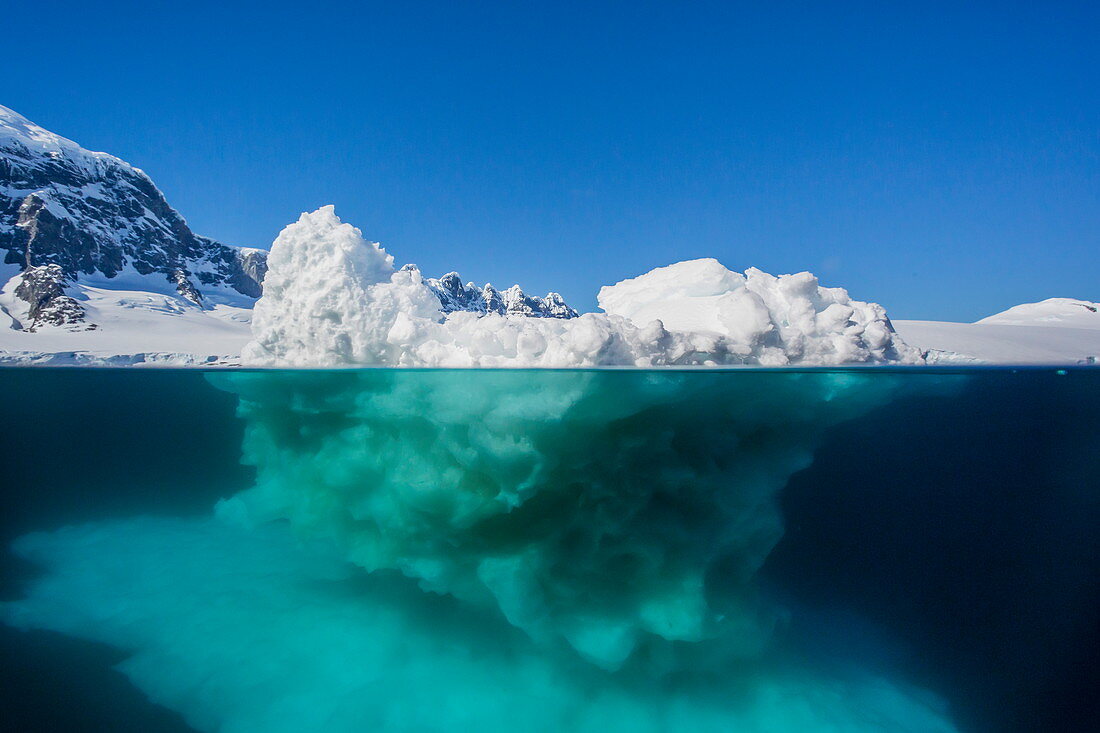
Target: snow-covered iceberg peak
[
  {"x": 331, "y": 298},
  {"x": 767, "y": 319}
]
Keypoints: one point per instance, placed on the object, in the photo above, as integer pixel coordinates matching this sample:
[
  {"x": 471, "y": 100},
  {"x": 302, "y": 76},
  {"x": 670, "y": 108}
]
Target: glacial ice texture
[{"x": 331, "y": 298}]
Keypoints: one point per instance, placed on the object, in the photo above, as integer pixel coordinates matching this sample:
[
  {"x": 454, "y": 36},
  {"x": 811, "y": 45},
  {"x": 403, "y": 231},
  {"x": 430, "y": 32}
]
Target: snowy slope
[
  {"x": 1001, "y": 344},
  {"x": 139, "y": 319},
  {"x": 1060, "y": 312},
  {"x": 1053, "y": 331}
]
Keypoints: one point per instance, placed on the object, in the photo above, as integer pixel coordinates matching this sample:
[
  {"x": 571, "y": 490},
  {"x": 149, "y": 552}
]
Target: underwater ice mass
[
  {"x": 528, "y": 550},
  {"x": 500, "y": 550},
  {"x": 584, "y": 507}
]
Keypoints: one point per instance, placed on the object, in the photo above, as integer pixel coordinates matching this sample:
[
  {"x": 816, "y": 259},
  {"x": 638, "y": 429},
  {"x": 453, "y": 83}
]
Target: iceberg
[{"x": 332, "y": 298}]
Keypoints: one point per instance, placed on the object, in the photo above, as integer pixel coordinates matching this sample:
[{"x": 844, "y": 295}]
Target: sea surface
[{"x": 866, "y": 549}]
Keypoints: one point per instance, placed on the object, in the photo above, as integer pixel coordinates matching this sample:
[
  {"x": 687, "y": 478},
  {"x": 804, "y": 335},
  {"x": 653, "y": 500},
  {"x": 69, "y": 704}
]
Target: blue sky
[{"x": 940, "y": 158}]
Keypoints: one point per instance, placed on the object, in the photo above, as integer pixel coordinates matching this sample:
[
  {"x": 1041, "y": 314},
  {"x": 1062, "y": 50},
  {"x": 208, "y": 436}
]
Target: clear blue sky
[{"x": 940, "y": 158}]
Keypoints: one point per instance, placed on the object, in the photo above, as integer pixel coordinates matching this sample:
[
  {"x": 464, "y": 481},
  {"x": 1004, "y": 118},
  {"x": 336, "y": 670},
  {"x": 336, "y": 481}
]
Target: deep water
[{"x": 516, "y": 550}]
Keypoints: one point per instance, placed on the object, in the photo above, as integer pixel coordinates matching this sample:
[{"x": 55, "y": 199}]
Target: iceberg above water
[{"x": 332, "y": 298}]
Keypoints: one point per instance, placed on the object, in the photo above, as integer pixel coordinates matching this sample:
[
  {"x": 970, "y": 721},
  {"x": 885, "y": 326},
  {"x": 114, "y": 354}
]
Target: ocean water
[{"x": 835, "y": 550}]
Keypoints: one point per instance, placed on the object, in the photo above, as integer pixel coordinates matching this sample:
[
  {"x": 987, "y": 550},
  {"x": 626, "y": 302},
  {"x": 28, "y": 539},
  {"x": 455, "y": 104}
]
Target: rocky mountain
[
  {"x": 67, "y": 214},
  {"x": 455, "y": 296}
]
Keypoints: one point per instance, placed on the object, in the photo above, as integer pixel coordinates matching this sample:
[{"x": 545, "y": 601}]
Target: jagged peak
[{"x": 455, "y": 296}]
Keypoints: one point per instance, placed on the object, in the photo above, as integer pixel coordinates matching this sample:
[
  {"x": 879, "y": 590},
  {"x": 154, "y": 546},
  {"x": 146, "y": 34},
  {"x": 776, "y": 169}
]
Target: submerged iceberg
[
  {"x": 332, "y": 298},
  {"x": 619, "y": 512},
  {"x": 543, "y": 550}
]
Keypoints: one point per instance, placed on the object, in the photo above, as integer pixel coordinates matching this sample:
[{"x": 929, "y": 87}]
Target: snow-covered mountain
[
  {"x": 70, "y": 215},
  {"x": 1063, "y": 312},
  {"x": 97, "y": 267}
]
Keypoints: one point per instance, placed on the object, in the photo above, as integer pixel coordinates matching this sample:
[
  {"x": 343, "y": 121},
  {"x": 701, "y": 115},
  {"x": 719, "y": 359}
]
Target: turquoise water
[{"x": 551, "y": 550}]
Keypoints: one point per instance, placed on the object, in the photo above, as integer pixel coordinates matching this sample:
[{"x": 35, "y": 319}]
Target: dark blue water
[{"x": 944, "y": 535}]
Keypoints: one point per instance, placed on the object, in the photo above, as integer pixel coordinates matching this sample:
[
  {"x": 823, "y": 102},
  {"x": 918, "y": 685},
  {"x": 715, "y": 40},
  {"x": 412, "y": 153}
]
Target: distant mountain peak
[{"x": 455, "y": 296}]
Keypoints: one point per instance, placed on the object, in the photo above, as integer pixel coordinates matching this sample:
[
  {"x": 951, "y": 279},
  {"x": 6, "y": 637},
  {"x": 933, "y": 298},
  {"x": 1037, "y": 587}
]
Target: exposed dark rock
[
  {"x": 43, "y": 288},
  {"x": 253, "y": 268},
  {"x": 184, "y": 286}
]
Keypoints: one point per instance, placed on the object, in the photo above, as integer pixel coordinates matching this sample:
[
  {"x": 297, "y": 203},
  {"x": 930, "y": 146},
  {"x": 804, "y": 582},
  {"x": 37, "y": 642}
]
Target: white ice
[{"x": 332, "y": 298}]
